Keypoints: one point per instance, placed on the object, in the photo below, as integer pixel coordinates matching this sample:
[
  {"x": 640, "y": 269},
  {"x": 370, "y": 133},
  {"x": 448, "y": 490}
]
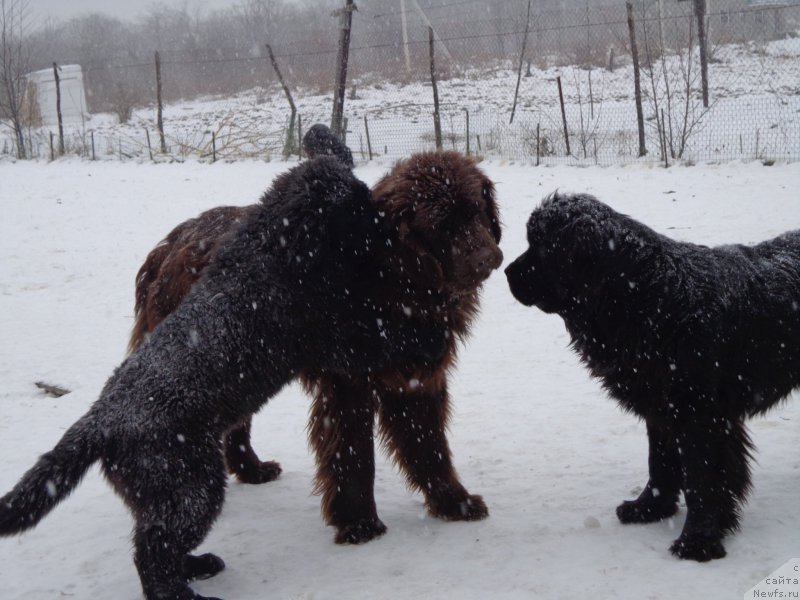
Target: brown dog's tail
[{"x": 52, "y": 478}]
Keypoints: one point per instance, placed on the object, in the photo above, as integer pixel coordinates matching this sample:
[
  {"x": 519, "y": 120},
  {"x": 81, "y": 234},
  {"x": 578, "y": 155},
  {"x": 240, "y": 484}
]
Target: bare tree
[
  {"x": 14, "y": 66},
  {"x": 676, "y": 111}
]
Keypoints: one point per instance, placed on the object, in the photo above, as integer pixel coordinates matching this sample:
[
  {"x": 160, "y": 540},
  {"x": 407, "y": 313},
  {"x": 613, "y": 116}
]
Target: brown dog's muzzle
[
  {"x": 485, "y": 260},
  {"x": 473, "y": 266}
]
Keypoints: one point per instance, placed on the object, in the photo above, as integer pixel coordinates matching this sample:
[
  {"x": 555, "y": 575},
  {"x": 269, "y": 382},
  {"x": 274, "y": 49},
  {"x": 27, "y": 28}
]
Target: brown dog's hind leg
[
  {"x": 413, "y": 423},
  {"x": 341, "y": 433},
  {"x": 241, "y": 459}
]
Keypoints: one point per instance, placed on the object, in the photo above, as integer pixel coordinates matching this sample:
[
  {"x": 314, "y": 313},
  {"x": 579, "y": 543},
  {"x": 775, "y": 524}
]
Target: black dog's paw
[
  {"x": 646, "y": 511},
  {"x": 360, "y": 531},
  {"x": 258, "y": 472},
  {"x": 204, "y": 566},
  {"x": 466, "y": 508},
  {"x": 697, "y": 547}
]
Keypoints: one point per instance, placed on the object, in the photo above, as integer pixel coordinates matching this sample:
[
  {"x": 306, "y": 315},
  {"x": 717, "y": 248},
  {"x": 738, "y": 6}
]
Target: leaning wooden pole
[
  {"x": 289, "y": 144},
  {"x": 563, "y": 114},
  {"x": 346, "y": 15},
  {"x": 437, "y": 123},
  {"x": 637, "y": 83},
  {"x": 160, "y": 109},
  {"x": 702, "y": 39},
  {"x": 521, "y": 60},
  {"x": 58, "y": 111}
]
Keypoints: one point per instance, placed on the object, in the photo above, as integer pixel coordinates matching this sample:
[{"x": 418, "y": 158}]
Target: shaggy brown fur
[{"x": 444, "y": 246}]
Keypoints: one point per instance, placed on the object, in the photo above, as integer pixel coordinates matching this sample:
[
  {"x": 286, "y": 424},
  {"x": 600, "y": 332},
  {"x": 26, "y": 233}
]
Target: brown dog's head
[{"x": 445, "y": 216}]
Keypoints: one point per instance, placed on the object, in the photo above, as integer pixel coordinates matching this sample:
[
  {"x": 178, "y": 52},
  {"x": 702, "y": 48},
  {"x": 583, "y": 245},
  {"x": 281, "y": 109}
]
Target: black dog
[
  {"x": 180, "y": 259},
  {"x": 690, "y": 338},
  {"x": 288, "y": 290}
]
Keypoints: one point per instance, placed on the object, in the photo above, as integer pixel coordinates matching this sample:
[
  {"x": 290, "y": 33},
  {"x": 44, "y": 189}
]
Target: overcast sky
[{"x": 63, "y": 10}]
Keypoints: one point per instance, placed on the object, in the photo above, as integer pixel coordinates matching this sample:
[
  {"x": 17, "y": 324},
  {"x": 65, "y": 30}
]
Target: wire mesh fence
[{"x": 553, "y": 85}]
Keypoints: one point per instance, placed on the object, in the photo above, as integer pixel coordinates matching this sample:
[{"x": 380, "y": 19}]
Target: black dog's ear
[
  {"x": 582, "y": 241},
  {"x": 487, "y": 190}
]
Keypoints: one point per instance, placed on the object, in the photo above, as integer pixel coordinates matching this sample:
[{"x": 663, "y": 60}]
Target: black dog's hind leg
[
  {"x": 341, "y": 432},
  {"x": 714, "y": 455},
  {"x": 175, "y": 499},
  {"x": 242, "y": 460},
  {"x": 659, "y": 499},
  {"x": 203, "y": 566},
  {"x": 413, "y": 426}
]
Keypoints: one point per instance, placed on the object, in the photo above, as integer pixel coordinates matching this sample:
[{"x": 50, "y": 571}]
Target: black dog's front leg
[
  {"x": 714, "y": 455},
  {"x": 659, "y": 499}
]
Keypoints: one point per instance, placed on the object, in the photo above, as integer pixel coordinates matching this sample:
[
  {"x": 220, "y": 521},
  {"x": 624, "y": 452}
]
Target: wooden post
[
  {"x": 664, "y": 134},
  {"x": 637, "y": 85},
  {"x": 160, "y": 114},
  {"x": 702, "y": 39},
  {"x": 58, "y": 111},
  {"x": 521, "y": 60},
  {"x": 52, "y": 148},
  {"x": 563, "y": 114},
  {"x": 300, "y": 138},
  {"x": 538, "y": 145},
  {"x": 437, "y": 124},
  {"x": 404, "y": 22},
  {"x": 466, "y": 112},
  {"x": 94, "y": 157},
  {"x": 346, "y": 15},
  {"x": 213, "y": 146},
  {"x": 288, "y": 145},
  {"x": 369, "y": 144},
  {"x": 149, "y": 145}
]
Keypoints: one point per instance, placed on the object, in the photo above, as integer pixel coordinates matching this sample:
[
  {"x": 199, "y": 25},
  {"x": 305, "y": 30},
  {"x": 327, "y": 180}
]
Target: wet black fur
[
  {"x": 286, "y": 291},
  {"x": 692, "y": 339}
]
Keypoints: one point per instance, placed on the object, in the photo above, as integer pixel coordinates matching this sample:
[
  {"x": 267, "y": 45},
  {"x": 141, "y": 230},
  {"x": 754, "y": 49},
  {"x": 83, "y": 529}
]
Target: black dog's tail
[
  {"x": 319, "y": 140},
  {"x": 52, "y": 478}
]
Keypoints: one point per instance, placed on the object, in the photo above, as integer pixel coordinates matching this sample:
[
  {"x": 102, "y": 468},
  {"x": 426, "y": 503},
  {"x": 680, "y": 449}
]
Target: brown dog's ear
[
  {"x": 422, "y": 269},
  {"x": 487, "y": 189}
]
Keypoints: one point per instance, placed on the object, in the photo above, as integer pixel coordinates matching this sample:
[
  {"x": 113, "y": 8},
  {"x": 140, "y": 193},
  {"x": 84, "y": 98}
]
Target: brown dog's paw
[
  {"x": 360, "y": 531},
  {"x": 466, "y": 508},
  {"x": 259, "y": 472},
  {"x": 697, "y": 547}
]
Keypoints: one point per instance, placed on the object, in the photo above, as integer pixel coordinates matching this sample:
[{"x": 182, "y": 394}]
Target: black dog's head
[
  {"x": 569, "y": 239},
  {"x": 319, "y": 140}
]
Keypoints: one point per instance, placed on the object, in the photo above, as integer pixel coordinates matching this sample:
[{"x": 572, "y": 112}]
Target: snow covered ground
[{"x": 530, "y": 431}]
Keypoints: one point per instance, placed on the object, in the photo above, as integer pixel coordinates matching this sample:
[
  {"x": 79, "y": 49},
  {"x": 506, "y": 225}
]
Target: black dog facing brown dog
[
  {"x": 691, "y": 339},
  {"x": 292, "y": 288}
]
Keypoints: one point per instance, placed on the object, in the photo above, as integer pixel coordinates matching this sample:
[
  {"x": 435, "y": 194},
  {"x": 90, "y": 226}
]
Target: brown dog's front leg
[
  {"x": 241, "y": 459},
  {"x": 413, "y": 423},
  {"x": 340, "y": 431}
]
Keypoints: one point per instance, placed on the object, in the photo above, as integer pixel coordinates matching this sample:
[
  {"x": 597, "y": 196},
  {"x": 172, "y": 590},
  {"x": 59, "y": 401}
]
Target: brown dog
[{"x": 444, "y": 247}]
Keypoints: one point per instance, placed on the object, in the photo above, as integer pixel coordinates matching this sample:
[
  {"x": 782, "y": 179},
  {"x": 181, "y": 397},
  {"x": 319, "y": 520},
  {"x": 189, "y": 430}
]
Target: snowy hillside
[{"x": 530, "y": 431}]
